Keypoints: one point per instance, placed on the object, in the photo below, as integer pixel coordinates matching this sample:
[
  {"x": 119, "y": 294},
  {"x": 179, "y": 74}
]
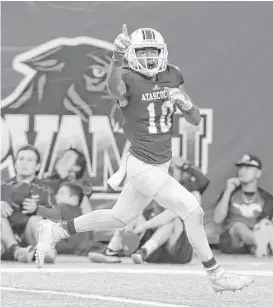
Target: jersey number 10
[{"x": 165, "y": 120}]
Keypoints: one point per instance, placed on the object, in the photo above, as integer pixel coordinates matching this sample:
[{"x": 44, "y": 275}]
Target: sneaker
[
  {"x": 271, "y": 236},
  {"x": 226, "y": 281},
  {"x": 261, "y": 233},
  {"x": 24, "y": 254},
  {"x": 106, "y": 257},
  {"x": 46, "y": 241},
  {"x": 140, "y": 256}
]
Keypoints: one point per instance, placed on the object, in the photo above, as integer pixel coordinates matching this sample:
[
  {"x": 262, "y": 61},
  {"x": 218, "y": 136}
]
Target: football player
[{"x": 148, "y": 91}]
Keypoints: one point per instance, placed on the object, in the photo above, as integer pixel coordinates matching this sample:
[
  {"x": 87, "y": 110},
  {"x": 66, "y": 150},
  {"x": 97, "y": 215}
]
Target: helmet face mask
[{"x": 152, "y": 62}]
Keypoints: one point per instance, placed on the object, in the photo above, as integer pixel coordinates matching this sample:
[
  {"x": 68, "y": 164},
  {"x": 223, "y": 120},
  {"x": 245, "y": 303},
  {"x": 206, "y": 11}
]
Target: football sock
[
  {"x": 96, "y": 220},
  {"x": 198, "y": 239},
  {"x": 211, "y": 266}
]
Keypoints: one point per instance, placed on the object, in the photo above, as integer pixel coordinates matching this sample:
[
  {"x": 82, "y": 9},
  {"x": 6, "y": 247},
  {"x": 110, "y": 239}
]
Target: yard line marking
[
  {"x": 94, "y": 297},
  {"x": 128, "y": 271}
]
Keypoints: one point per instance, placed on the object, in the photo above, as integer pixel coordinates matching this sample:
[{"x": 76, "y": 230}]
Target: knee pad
[
  {"x": 189, "y": 202},
  {"x": 194, "y": 202},
  {"x": 196, "y": 216},
  {"x": 179, "y": 195}
]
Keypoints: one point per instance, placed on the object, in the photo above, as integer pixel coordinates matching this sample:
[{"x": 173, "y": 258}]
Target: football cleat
[
  {"x": 227, "y": 281},
  {"x": 46, "y": 241},
  {"x": 262, "y": 235},
  {"x": 107, "y": 257}
]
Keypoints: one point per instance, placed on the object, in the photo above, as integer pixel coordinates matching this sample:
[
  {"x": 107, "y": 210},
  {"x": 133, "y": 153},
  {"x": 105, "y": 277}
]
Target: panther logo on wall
[{"x": 63, "y": 76}]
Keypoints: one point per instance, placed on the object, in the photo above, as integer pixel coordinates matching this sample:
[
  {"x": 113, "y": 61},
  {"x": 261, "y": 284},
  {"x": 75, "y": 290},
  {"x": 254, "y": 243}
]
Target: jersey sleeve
[
  {"x": 126, "y": 75},
  {"x": 49, "y": 208},
  {"x": 126, "y": 79},
  {"x": 6, "y": 191},
  {"x": 177, "y": 73},
  {"x": 180, "y": 77},
  {"x": 268, "y": 205}
]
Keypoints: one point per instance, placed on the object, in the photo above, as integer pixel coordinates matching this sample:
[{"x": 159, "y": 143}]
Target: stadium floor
[{"x": 74, "y": 281}]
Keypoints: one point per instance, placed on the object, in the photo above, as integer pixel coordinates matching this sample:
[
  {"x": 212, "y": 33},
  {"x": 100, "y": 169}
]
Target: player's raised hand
[{"x": 122, "y": 41}]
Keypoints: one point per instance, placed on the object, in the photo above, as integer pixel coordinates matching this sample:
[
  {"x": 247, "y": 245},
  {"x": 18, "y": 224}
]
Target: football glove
[
  {"x": 176, "y": 96},
  {"x": 122, "y": 41}
]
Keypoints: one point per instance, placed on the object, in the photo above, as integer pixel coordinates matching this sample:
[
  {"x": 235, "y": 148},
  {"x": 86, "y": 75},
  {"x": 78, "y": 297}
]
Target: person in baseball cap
[
  {"x": 241, "y": 207},
  {"x": 250, "y": 160}
]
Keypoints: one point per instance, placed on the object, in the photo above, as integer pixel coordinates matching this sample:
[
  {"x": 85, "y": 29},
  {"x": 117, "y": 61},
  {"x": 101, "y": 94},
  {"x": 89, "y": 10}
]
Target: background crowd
[
  {"x": 55, "y": 72},
  {"x": 243, "y": 212}
]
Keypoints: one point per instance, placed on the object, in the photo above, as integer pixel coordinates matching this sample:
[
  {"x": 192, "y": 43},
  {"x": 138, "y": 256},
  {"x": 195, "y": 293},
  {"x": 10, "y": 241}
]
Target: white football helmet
[{"x": 150, "y": 38}]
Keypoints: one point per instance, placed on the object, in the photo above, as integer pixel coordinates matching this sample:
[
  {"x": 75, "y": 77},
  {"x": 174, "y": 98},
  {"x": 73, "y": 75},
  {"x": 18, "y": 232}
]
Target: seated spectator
[
  {"x": 189, "y": 176},
  {"x": 123, "y": 243},
  {"x": 161, "y": 232},
  {"x": 71, "y": 166},
  {"x": 25, "y": 200},
  {"x": 240, "y": 206},
  {"x": 168, "y": 242},
  {"x": 69, "y": 197}
]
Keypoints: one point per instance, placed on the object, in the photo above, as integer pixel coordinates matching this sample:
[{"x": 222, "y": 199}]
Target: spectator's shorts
[
  {"x": 230, "y": 245},
  {"x": 181, "y": 252},
  {"x": 18, "y": 222}
]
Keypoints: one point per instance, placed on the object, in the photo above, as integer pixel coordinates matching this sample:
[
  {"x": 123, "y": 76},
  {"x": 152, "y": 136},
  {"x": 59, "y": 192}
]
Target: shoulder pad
[{"x": 174, "y": 66}]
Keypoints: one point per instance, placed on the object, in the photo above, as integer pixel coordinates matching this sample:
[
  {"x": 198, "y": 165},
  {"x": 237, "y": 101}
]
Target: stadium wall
[{"x": 53, "y": 92}]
